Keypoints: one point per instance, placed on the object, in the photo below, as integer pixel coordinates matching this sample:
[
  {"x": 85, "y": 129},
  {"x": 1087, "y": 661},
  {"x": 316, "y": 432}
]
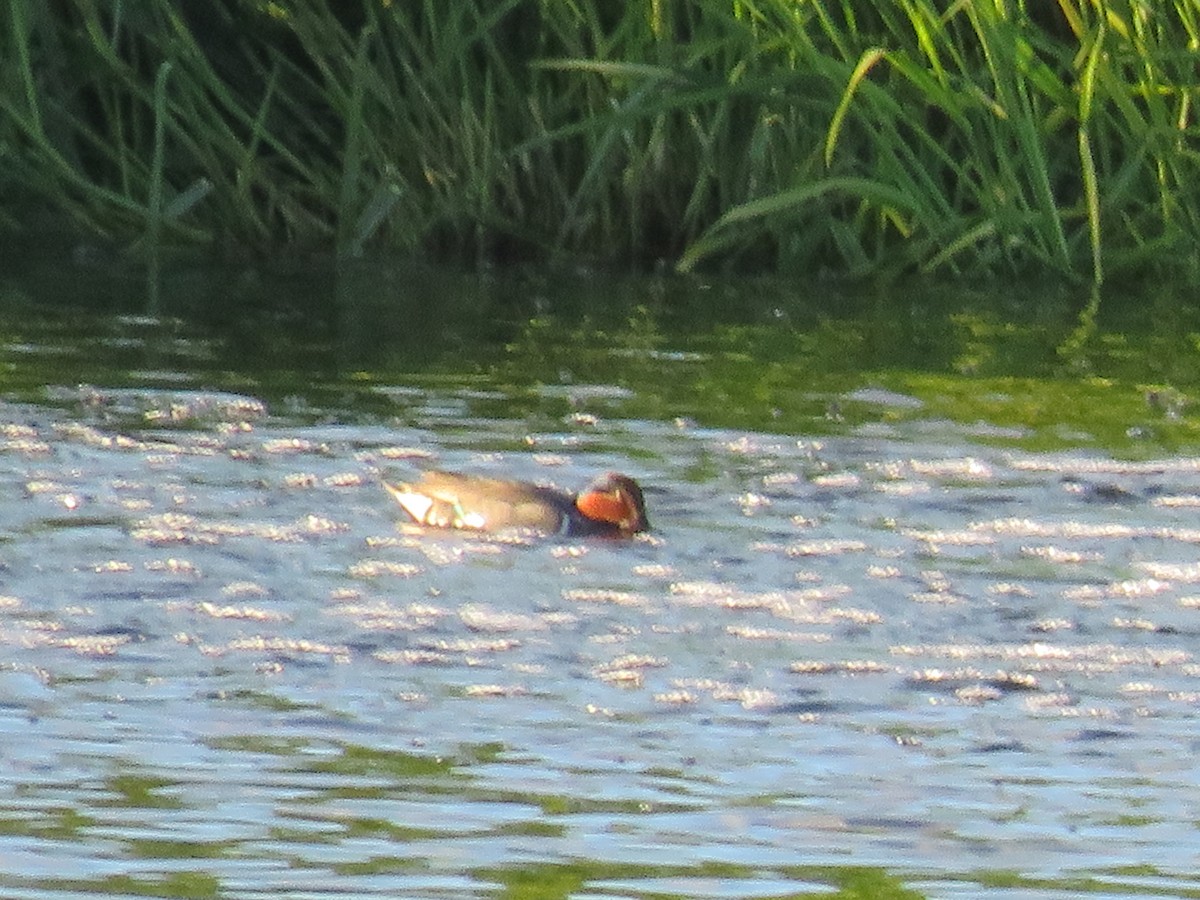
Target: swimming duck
[{"x": 612, "y": 505}]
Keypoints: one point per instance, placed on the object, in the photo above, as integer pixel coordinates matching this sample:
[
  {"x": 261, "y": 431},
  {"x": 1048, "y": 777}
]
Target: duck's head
[{"x": 617, "y": 500}]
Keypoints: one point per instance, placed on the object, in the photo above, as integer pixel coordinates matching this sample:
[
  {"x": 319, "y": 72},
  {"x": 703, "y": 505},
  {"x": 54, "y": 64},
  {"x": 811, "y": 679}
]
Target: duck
[{"x": 612, "y": 505}]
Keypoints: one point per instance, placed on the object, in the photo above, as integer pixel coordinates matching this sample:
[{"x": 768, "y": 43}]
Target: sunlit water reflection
[{"x": 226, "y": 669}]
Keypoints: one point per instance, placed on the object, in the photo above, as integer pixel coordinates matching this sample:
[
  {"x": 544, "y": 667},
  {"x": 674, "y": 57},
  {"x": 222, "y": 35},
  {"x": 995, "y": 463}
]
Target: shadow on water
[
  {"x": 1026, "y": 362},
  {"x": 918, "y": 617}
]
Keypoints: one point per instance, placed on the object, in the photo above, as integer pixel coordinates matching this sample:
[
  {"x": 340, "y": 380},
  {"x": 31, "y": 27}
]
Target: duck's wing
[{"x": 451, "y": 500}]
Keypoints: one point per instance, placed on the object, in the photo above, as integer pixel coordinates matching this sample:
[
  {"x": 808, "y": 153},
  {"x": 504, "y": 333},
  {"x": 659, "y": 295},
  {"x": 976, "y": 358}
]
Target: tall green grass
[{"x": 977, "y": 137}]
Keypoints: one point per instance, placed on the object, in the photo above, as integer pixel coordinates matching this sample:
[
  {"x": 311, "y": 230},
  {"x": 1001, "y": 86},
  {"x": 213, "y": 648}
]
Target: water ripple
[{"x": 223, "y": 660}]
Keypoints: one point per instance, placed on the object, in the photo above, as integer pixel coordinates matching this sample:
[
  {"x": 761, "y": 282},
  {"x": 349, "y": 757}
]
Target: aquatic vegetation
[{"x": 865, "y": 138}]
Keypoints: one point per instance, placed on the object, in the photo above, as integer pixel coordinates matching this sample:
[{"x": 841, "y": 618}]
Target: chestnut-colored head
[{"x": 617, "y": 500}]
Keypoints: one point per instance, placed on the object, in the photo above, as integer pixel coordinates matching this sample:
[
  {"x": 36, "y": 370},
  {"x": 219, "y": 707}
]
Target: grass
[{"x": 856, "y": 138}]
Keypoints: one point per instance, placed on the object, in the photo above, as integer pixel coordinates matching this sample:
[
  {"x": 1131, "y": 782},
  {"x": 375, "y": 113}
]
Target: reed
[{"x": 861, "y": 137}]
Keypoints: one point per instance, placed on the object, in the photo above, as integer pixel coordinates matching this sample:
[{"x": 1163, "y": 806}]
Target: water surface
[{"x": 868, "y": 646}]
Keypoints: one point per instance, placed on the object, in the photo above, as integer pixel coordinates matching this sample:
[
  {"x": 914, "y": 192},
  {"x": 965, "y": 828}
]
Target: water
[{"x": 902, "y": 653}]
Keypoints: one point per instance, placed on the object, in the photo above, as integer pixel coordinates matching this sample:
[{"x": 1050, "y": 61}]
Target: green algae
[
  {"x": 194, "y": 885},
  {"x": 61, "y": 824},
  {"x": 142, "y": 792}
]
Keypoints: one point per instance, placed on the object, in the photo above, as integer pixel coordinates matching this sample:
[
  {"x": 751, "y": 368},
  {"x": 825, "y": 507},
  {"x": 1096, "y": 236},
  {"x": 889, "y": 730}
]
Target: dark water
[{"x": 867, "y": 646}]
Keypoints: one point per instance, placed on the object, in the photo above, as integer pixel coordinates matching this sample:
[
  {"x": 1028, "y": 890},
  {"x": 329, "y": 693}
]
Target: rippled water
[
  {"x": 897, "y": 657},
  {"x": 225, "y": 666}
]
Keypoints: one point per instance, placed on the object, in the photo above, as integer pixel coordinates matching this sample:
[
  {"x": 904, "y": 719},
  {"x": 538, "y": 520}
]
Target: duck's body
[{"x": 611, "y": 505}]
